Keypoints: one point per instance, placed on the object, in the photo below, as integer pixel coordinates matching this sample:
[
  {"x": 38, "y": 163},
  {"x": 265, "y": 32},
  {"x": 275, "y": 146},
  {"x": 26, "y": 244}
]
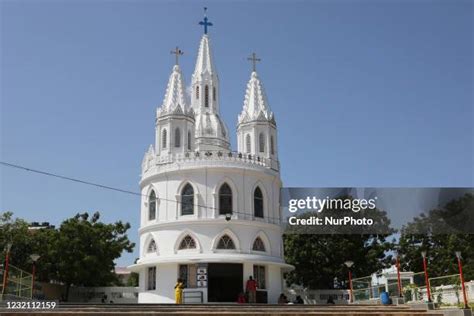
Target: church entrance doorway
[{"x": 225, "y": 281}]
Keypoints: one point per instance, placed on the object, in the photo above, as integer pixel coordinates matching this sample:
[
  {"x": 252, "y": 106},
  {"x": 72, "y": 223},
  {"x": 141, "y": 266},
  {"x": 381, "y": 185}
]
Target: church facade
[{"x": 210, "y": 215}]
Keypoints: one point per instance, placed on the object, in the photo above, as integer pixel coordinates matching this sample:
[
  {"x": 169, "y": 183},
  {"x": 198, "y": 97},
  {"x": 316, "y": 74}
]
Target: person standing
[
  {"x": 178, "y": 291},
  {"x": 251, "y": 288}
]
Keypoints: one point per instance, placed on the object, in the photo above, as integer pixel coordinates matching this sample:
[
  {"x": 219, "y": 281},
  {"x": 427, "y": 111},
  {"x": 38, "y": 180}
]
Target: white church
[{"x": 209, "y": 215}]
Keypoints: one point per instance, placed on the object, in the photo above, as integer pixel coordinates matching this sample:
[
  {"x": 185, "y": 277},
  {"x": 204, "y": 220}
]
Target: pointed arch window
[
  {"x": 258, "y": 203},
  {"x": 272, "y": 145},
  {"x": 187, "y": 243},
  {"x": 197, "y": 92},
  {"x": 261, "y": 142},
  {"x": 152, "y": 206},
  {"x": 189, "y": 140},
  {"x": 151, "y": 247},
  {"x": 206, "y": 96},
  {"x": 214, "y": 94},
  {"x": 177, "y": 137},
  {"x": 187, "y": 200},
  {"x": 164, "y": 138},
  {"x": 225, "y": 243},
  {"x": 248, "y": 144},
  {"x": 258, "y": 245},
  {"x": 225, "y": 199}
]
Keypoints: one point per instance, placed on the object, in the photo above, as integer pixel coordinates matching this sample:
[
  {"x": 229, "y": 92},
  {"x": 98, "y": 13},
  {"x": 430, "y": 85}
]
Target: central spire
[{"x": 211, "y": 133}]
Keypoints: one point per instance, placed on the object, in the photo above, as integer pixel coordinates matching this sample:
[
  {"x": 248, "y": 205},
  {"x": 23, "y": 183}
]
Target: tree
[
  {"x": 440, "y": 233},
  {"x": 15, "y": 231},
  {"x": 319, "y": 253},
  {"x": 86, "y": 250}
]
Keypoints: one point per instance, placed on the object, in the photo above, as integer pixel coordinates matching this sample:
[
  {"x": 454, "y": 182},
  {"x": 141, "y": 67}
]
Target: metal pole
[
  {"x": 5, "y": 272},
  {"x": 427, "y": 281},
  {"x": 33, "y": 279},
  {"x": 399, "y": 279},
  {"x": 350, "y": 287},
  {"x": 462, "y": 283}
]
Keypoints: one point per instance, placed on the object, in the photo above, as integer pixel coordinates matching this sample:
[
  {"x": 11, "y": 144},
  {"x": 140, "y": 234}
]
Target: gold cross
[
  {"x": 177, "y": 52},
  {"x": 254, "y": 60}
]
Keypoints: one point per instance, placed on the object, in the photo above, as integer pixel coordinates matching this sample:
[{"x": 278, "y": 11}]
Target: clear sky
[{"x": 365, "y": 93}]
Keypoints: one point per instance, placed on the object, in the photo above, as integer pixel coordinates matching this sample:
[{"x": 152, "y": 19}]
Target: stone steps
[{"x": 225, "y": 309}]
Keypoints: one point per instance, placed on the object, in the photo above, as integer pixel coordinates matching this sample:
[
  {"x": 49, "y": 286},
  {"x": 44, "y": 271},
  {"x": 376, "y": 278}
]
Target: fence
[
  {"x": 445, "y": 290},
  {"x": 18, "y": 285}
]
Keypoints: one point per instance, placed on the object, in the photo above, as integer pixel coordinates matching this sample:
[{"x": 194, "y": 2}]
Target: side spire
[
  {"x": 175, "y": 96},
  {"x": 256, "y": 107}
]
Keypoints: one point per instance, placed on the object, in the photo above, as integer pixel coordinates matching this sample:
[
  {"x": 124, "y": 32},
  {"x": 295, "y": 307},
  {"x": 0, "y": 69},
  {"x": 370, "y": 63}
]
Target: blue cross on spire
[{"x": 206, "y": 23}]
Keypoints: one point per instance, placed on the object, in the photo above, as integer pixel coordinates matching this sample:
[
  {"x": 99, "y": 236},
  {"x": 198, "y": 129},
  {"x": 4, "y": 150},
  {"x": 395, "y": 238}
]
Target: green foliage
[
  {"x": 133, "y": 279},
  {"x": 422, "y": 234},
  {"x": 15, "y": 231},
  {"x": 81, "y": 252},
  {"x": 319, "y": 258}
]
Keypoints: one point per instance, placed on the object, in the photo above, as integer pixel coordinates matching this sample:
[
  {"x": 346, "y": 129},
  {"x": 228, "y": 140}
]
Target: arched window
[
  {"x": 258, "y": 203},
  {"x": 248, "y": 144},
  {"x": 225, "y": 243},
  {"x": 258, "y": 245},
  {"x": 206, "y": 96},
  {"x": 189, "y": 140},
  {"x": 225, "y": 199},
  {"x": 272, "y": 145},
  {"x": 214, "y": 96},
  {"x": 197, "y": 92},
  {"x": 177, "y": 137},
  {"x": 261, "y": 142},
  {"x": 187, "y": 243},
  {"x": 151, "y": 247},
  {"x": 152, "y": 206},
  {"x": 164, "y": 138},
  {"x": 187, "y": 200}
]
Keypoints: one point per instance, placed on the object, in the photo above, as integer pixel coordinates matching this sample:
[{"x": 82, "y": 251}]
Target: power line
[{"x": 98, "y": 185}]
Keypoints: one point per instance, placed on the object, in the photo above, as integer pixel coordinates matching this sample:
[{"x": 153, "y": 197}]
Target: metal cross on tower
[
  {"x": 177, "y": 52},
  {"x": 254, "y": 60},
  {"x": 206, "y": 22}
]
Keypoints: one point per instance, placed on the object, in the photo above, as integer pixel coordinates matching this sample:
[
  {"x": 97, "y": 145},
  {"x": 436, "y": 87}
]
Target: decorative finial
[
  {"x": 177, "y": 52},
  {"x": 205, "y": 22},
  {"x": 254, "y": 60}
]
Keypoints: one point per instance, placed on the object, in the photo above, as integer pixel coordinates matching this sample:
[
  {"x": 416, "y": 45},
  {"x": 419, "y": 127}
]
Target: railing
[
  {"x": 18, "y": 284},
  {"x": 151, "y": 160}
]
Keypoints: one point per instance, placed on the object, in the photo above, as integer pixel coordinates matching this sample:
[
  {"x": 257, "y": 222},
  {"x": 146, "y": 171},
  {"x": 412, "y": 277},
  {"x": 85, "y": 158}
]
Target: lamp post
[
  {"x": 427, "y": 281},
  {"x": 349, "y": 264},
  {"x": 399, "y": 280},
  {"x": 5, "y": 271},
  {"x": 34, "y": 258},
  {"x": 461, "y": 276}
]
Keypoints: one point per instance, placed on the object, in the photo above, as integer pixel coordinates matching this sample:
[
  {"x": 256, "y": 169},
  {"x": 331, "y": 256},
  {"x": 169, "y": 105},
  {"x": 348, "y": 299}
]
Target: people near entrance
[
  {"x": 241, "y": 298},
  {"x": 282, "y": 299},
  {"x": 178, "y": 291},
  {"x": 330, "y": 300},
  {"x": 251, "y": 288},
  {"x": 298, "y": 300}
]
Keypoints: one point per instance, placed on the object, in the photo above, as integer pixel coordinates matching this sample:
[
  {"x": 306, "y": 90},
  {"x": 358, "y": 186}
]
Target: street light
[
  {"x": 399, "y": 281},
  {"x": 461, "y": 276},
  {"x": 349, "y": 264},
  {"x": 34, "y": 257},
  {"x": 5, "y": 271},
  {"x": 427, "y": 281}
]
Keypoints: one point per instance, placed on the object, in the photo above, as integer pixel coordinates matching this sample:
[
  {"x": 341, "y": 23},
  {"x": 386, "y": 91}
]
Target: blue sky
[{"x": 365, "y": 93}]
